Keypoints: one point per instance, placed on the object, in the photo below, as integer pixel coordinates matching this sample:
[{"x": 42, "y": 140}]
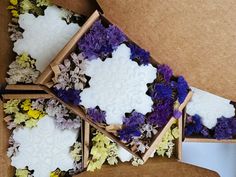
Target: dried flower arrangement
[
  {"x": 210, "y": 117},
  {"x": 56, "y": 25},
  {"x": 38, "y": 127},
  {"x": 121, "y": 91},
  {"x": 105, "y": 151}
]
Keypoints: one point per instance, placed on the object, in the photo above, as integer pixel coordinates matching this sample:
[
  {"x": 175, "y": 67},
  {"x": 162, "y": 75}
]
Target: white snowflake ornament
[
  {"x": 44, "y": 36},
  {"x": 44, "y": 148},
  {"x": 118, "y": 85},
  {"x": 209, "y": 107}
]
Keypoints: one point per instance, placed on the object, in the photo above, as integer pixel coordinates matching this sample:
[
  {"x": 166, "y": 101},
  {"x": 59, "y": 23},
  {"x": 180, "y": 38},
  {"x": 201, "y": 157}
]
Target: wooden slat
[
  {"x": 23, "y": 87},
  {"x": 25, "y": 96}
]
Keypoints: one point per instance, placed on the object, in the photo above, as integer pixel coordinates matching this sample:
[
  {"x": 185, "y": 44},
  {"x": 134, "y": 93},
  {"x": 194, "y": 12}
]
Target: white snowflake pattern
[
  {"x": 44, "y": 148},
  {"x": 44, "y": 36},
  {"x": 118, "y": 85}
]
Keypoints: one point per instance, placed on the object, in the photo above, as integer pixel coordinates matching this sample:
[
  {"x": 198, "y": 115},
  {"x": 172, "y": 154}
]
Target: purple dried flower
[
  {"x": 100, "y": 41},
  {"x": 205, "y": 132},
  {"x": 194, "y": 125},
  {"x": 223, "y": 128},
  {"x": 182, "y": 88},
  {"x": 162, "y": 112},
  {"x": 68, "y": 96},
  {"x": 165, "y": 71},
  {"x": 177, "y": 114},
  {"x": 139, "y": 54},
  {"x": 115, "y": 36},
  {"x": 135, "y": 119},
  {"x": 97, "y": 115},
  {"x": 127, "y": 134},
  {"x": 161, "y": 91}
]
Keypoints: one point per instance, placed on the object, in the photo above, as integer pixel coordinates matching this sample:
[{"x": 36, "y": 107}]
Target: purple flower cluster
[
  {"x": 165, "y": 71},
  {"x": 194, "y": 126},
  {"x": 132, "y": 127},
  {"x": 161, "y": 113},
  {"x": 100, "y": 41},
  {"x": 225, "y": 128},
  {"x": 68, "y": 96},
  {"x": 139, "y": 54},
  {"x": 182, "y": 89},
  {"x": 161, "y": 91},
  {"x": 97, "y": 115}
]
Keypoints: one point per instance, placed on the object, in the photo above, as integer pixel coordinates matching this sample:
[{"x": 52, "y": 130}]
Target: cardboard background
[{"x": 196, "y": 38}]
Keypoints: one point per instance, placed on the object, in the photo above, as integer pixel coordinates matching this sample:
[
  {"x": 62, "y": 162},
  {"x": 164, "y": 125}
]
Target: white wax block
[
  {"x": 124, "y": 155},
  {"x": 209, "y": 107},
  {"x": 118, "y": 85},
  {"x": 44, "y": 36},
  {"x": 44, "y": 148}
]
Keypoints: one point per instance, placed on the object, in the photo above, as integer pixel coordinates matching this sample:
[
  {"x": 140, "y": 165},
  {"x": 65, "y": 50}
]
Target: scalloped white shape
[
  {"x": 209, "y": 107},
  {"x": 118, "y": 85},
  {"x": 44, "y": 148},
  {"x": 44, "y": 36}
]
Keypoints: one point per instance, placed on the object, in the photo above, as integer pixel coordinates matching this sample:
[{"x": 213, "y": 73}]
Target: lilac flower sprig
[
  {"x": 100, "y": 41},
  {"x": 132, "y": 127},
  {"x": 140, "y": 55},
  {"x": 225, "y": 128},
  {"x": 161, "y": 113},
  {"x": 182, "y": 89},
  {"x": 165, "y": 71},
  {"x": 68, "y": 96},
  {"x": 97, "y": 115},
  {"x": 194, "y": 125}
]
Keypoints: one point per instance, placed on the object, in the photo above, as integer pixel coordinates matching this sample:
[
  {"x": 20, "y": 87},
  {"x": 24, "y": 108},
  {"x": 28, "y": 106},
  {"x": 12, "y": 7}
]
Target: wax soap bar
[
  {"x": 44, "y": 148},
  {"x": 118, "y": 85},
  {"x": 44, "y": 36},
  {"x": 209, "y": 107}
]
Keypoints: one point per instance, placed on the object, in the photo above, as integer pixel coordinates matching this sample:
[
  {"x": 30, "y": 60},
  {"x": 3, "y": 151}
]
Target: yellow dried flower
[
  {"x": 20, "y": 118},
  {"x": 26, "y": 105},
  {"x": 55, "y": 173},
  {"x": 15, "y": 13},
  {"x": 25, "y": 61},
  {"x": 11, "y": 106},
  {"x": 14, "y": 2},
  {"x": 22, "y": 173},
  {"x": 31, "y": 123},
  {"x": 35, "y": 114}
]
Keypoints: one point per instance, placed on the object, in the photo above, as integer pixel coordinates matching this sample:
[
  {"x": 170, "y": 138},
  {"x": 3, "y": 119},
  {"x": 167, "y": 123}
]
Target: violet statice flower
[
  {"x": 115, "y": 36},
  {"x": 127, "y": 134},
  {"x": 68, "y": 96},
  {"x": 193, "y": 125},
  {"x": 97, "y": 115},
  {"x": 182, "y": 89},
  {"x": 135, "y": 119},
  {"x": 161, "y": 91},
  {"x": 100, "y": 41},
  {"x": 139, "y": 54},
  {"x": 161, "y": 113},
  {"x": 165, "y": 71},
  {"x": 177, "y": 114},
  {"x": 223, "y": 128}
]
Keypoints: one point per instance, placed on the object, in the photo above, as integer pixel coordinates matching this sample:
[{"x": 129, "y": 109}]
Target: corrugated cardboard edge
[
  {"x": 197, "y": 39},
  {"x": 154, "y": 167}
]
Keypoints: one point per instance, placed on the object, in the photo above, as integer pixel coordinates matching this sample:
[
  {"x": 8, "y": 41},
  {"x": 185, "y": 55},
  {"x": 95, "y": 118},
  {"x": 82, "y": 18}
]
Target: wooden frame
[{"x": 45, "y": 79}]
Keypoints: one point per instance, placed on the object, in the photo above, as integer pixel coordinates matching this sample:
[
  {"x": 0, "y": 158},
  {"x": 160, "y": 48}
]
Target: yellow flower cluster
[
  {"x": 167, "y": 145},
  {"x": 100, "y": 152},
  {"x": 22, "y": 173},
  {"x": 22, "y": 112},
  {"x": 13, "y": 8},
  {"x": 25, "y": 61}
]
